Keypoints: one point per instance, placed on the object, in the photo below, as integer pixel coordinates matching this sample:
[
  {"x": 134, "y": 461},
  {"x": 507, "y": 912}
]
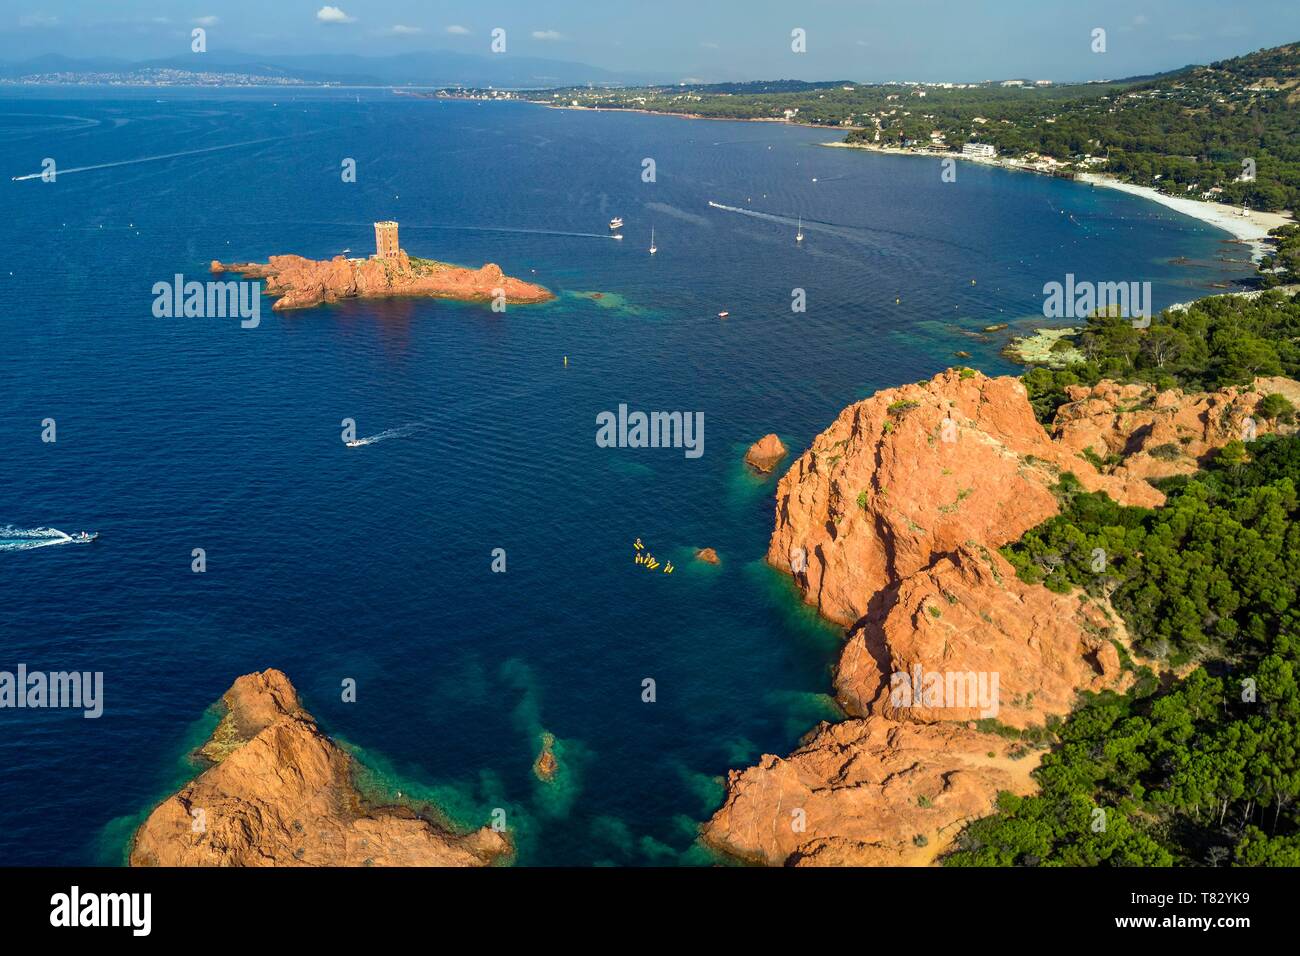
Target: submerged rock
[
  {"x": 281, "y": 793},
  {"x": 707, "y": 555},
  {"x": 546, "y": 765}
]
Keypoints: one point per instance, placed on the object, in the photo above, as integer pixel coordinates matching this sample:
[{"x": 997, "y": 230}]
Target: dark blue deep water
[{"x": 374, "y": 563}]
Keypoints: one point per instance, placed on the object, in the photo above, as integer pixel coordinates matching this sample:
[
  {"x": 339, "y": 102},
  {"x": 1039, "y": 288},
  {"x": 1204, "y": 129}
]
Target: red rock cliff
[
  {"x": 281, "y": 793},
  {"x": 891, "y": 521}
]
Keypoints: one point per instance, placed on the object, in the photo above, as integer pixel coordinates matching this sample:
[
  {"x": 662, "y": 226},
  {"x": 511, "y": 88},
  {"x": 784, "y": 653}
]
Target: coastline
[{"x": 1252, "y": 229}]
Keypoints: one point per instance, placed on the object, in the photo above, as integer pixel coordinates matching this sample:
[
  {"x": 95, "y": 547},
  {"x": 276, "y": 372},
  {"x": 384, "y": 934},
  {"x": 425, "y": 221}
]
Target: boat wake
[
  {"x": 26, "y": 539},
  {"x": 850, "y": 233},
  {"x": 142, "y": 159},
  {"x": 521, "y": 231},
  {"x": 399, "y": 432},
  {"x": 863, "y": 235}
]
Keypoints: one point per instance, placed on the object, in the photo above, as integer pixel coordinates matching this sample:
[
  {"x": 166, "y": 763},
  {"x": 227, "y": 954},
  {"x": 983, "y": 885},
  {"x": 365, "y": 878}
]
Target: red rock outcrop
[
  {"x": 766, "y": 453},
  {"x": 1030, "y": 650},
  {"x": 281, "y": 793},
  {"x": 913, "y": 473},
  {"x": 1159, "y": 434},
  {"x": 302, "y": 283},
  {"x": 890, "y": 524},
  {"x": 546, "y": 766},
  {"x": 707, "y": 555},
  {"x": 865, "y": 793}
]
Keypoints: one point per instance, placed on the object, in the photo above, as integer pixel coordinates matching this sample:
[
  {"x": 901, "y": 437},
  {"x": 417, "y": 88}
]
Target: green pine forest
[{"x": 1201, "y": 769}]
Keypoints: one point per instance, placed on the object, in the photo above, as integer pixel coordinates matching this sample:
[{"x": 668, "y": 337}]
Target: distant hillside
[
  {"x": 1186, "y": 132},
  {"x": 430, "y": 68}
]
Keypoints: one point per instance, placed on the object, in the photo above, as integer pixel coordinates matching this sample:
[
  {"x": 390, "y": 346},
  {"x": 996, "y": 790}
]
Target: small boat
[
  {"x": 616, "y": 222},
  {"x": 84, "y": 537},
  {"x": 617, "y": 235},
  {"x": 723, "y": 315},
  {"x": 653, "y": 247},
  {"x": 798, "y": 236}
]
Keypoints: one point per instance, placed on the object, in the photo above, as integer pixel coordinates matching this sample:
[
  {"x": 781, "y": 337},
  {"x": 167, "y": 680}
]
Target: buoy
[
  {"x": 896, "y": 301},
  {"x": 566, "y": 361}
]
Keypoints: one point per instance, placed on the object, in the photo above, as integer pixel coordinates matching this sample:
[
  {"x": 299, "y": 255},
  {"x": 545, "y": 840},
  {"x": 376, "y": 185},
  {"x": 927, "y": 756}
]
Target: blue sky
[{"x": 689, "y": 39}]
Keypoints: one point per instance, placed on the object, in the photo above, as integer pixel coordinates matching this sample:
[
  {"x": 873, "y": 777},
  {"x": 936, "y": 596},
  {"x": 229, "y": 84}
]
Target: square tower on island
[{"x": 386, "y": 240}]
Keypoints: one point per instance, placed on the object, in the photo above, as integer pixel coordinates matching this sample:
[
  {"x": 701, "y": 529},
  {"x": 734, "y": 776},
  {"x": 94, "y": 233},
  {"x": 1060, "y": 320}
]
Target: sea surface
[{"x": 374, "y": 563}]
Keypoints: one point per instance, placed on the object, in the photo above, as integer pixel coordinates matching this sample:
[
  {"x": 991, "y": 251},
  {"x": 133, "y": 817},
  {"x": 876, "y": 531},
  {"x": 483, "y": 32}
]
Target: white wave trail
[
  {"x": 527, "y": 232},
  {"x": 398, "y": 432},
  {"x": 142, "y": 159},
  {"x": 25, "y": 539},
  {"x": 474, "y": 405}
]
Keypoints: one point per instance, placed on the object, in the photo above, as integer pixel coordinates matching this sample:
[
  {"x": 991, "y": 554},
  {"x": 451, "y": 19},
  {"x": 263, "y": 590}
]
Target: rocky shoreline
[
  {"x": 303, "y": 283},
  {"x": 278, "y": 792},
  {"x": 889, "y": 525}
]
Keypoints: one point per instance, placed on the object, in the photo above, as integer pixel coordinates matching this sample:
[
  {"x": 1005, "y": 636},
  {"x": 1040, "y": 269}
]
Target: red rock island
[
  {"x": 278, "y": 792},
  {"x": 302, "y": 283}
]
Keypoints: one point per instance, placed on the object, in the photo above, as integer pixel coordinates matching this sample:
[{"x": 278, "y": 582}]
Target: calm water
[{"x": 374, "y": 563}]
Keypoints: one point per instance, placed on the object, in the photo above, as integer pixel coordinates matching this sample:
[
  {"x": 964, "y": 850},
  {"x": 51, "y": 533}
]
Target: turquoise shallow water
[{"x": 374, "y": 563}]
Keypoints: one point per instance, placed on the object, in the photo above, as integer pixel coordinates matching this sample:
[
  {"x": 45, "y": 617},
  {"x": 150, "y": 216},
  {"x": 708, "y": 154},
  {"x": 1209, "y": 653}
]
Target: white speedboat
[
  {"x": 616, "y": 222},
  {"x": 653, "y": 247},
  {"x": 84, "y": 537},
  {"x": 798, "y": 236}
]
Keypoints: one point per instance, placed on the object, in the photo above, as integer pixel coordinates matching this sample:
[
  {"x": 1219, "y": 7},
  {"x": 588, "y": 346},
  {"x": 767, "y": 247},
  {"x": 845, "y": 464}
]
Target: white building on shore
[{"x": 979, "y": 150}]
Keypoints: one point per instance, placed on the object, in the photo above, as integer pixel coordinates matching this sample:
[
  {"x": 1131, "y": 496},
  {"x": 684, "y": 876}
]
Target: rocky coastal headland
[
  {"x": 890, "y": 525},
  {"x": 278, "y": 792},
  {"x": 302, "y": 283}
]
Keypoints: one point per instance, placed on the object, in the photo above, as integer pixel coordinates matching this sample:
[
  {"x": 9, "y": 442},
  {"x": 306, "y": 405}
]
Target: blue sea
[{"x": 374, "y": 563}]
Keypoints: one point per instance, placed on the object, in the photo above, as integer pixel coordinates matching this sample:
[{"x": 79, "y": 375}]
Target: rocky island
[
  {"x": 890, "y": 525},
  {"x": 278, "y": 792},
  {"x": 302, "y": 283}
]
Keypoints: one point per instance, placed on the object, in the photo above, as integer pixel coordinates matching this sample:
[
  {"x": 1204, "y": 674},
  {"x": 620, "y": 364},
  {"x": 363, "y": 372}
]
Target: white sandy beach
[{"x": 1252, "y": 228}]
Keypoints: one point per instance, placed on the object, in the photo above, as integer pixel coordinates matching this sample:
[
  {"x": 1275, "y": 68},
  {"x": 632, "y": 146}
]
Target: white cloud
[
  {"x": 208, "y": 21},
  {"x": 38, "y": 20},
  {"x": 709, "y": 45},
  {"x": 402, "y": 30},
  {"x": 547, "y": 35},
  {"x": 333, "y": 15},
  {"x": 457, "y": 30}
]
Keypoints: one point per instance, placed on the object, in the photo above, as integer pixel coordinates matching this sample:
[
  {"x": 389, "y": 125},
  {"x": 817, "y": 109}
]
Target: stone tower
[{"x": 386, "y": 240}]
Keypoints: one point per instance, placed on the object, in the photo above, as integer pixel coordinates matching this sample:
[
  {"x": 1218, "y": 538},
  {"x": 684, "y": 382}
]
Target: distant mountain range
[{"x": 432, "y": 68}]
